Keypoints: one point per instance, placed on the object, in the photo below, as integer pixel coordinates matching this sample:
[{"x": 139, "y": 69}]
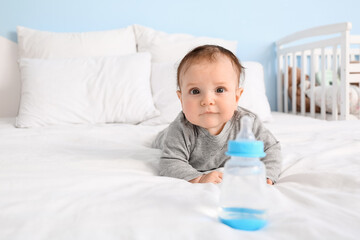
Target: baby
[{"x": 194, "y": 144}]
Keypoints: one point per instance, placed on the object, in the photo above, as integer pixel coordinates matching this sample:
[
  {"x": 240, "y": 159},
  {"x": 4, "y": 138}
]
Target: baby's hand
[
  {"x": 211, "y": 177},
  {"x": 268, "y": 181},
  {"x": 216, "y": 177}
]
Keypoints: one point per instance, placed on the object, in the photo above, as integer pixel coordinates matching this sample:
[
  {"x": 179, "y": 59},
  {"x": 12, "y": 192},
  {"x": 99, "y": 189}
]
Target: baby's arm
[
  {"x": 211, "y": 177},
  {"x": 215, "y": 177},
  {"x": 176, "y": 144},
  {"x": 273, "y": 157}
]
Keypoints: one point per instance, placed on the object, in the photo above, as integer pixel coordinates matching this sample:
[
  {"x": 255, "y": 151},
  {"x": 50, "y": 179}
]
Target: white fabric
[
  {"x": 41, "y": 44},
  {"x": 100, "y": 182},
  {"x": 86, "y": 90},
  {"x": 354, "y": 98},
  {"x": 171, "y": 48},
  {"x": 254, "y": 96},
  {"x": 163, "y": 86}
]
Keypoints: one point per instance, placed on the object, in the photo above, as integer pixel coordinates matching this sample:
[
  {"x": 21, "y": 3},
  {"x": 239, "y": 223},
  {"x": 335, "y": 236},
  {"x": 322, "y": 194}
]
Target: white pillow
[
  {"x": 171, "y": 48},
  {"x": 254, "y": 96},
  {"x": 163, "y": 85},
  {"x": 354, "y": 98},
  {"x": 40, "y": 44},
  {"x": 86, "y": 90}
]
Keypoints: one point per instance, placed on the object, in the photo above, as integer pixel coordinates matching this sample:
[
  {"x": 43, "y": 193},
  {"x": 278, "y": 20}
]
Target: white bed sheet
[{"x": 100, "y": 182}]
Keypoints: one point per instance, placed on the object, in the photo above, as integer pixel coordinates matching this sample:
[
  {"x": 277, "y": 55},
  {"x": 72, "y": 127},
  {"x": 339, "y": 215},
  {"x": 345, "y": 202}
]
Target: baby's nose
[{"x": 208, "y": 99}]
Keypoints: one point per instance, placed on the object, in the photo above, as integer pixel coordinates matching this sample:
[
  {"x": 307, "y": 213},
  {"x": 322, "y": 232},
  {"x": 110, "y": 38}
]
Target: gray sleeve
[
  {"x": 176, "y": 149},
  {"x": 272, "y": 148}
]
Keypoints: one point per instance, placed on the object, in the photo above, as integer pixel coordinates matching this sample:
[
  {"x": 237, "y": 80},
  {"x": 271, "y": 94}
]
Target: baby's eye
[
  {"x": 194, "y": 91},
  {"x": 220, "y": 90}
]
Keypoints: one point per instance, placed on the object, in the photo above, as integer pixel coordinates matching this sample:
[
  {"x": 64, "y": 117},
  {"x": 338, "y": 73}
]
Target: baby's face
[{"x": 209, "y": 93}]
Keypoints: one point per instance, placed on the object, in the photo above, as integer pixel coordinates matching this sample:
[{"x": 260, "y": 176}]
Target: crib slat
[
  {"x": 344, "y": 89},
  {"x": 312, "y": 84},
  {"x": 294, "y": 85},
  {"x": 334, "y": 84},
  {"x": 279, "y": 84},
  {"x": 323, "y": 97},
  {"x": 286, "y": 79},
  {"x": 302, "y": 94}
]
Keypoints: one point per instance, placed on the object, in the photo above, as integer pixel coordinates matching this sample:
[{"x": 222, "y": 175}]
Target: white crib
[{"x": 313, "y": 51}]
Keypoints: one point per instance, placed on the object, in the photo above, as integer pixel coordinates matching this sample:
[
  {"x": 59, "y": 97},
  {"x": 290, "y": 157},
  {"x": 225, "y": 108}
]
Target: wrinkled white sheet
[{"x": 100, "y": 182}]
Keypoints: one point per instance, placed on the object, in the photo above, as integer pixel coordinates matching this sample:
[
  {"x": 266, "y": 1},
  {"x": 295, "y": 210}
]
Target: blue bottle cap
[{"x": 246, "y": 149}]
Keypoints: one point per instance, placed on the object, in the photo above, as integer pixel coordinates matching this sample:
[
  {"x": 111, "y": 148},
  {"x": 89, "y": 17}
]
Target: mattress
[{"x": 101, "y": 182}]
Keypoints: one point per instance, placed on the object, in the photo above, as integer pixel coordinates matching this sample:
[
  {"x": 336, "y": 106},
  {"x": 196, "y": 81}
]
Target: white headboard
[{"x": 9, "y": 79}]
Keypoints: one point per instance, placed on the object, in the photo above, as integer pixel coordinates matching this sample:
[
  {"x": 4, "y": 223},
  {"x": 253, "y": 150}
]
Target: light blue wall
[{"x": 254, "y": 24}]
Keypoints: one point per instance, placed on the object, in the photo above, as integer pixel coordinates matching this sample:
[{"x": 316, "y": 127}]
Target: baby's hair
[{"x": 209, "y": 53}]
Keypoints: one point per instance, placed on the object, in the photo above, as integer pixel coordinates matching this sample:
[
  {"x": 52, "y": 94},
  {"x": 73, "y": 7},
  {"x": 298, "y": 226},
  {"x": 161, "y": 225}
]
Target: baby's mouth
[{"x": 208, "y": 112}]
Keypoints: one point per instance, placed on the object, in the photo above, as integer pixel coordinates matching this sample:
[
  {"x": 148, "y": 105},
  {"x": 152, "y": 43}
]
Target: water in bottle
[{"x": 243, "y": 200}]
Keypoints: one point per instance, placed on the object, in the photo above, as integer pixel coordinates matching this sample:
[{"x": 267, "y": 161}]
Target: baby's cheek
[
  {"x": 187, "y": 109},
  {"x": 189, "y": 106}
]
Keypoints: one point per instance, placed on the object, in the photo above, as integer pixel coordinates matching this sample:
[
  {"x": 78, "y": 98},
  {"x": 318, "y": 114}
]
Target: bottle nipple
[
  {"x": 246, "y": 133},
  {"x": 245, "y": 144}
]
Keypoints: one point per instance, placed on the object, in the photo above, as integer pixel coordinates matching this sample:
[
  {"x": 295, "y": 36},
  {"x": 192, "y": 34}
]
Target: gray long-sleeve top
[{"x": 189, "y": 150}]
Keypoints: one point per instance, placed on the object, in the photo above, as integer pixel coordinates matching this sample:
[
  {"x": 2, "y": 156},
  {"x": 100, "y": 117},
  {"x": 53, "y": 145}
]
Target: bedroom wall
[{"x": 256, "y": 25}]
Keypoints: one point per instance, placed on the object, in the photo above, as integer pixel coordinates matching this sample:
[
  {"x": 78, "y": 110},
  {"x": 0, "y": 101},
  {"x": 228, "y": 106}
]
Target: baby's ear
[
  {"x": 178, "y": 94},
  {"x": 238, "y": 93}
]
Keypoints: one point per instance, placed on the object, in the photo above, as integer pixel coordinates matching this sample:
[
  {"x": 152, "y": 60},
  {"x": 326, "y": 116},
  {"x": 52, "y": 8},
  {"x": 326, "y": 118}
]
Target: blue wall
[{"x": 256, "y": 25}]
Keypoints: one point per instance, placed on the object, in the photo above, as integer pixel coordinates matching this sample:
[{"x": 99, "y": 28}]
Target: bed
[
  {"x": 324, "y": 65},
  {"x": 65, "y": 175},
  {"x": 101, "y": 181}
]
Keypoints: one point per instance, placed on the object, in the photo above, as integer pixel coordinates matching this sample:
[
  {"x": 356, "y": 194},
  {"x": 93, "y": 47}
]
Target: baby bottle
[{"x": 243, "y": 198}]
